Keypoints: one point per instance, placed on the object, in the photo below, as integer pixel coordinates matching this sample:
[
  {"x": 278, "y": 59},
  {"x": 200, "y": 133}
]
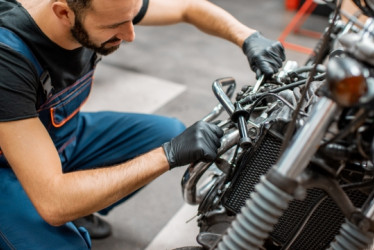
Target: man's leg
[
  {"x": 108, "y": 138},
  {"x": 21, "y": 227}
]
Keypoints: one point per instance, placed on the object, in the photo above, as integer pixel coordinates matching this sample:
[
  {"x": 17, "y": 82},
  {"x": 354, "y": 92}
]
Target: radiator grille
[
  {"x": 324, "y": 223},
  {"x": 325, "y": 218},
  {"x": 258, "y": 163},
  {"x": 294, "y": 215}
]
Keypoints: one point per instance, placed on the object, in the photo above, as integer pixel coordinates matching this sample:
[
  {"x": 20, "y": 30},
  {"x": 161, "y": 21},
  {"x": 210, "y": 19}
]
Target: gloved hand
[
  {"x": 265, "y": 56},
  {"x": 198, "y": 142}
]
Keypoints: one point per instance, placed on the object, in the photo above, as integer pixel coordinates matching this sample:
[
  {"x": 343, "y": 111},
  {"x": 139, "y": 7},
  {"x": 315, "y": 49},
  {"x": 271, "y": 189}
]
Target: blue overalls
[{"x": 84, "y": 140}]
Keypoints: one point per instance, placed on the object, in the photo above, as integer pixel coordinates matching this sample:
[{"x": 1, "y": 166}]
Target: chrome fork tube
[{"x": 307, "y": 140}]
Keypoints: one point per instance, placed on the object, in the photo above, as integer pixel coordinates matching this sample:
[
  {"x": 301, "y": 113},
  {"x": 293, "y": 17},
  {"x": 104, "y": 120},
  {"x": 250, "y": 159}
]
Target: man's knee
[{"x": 171, "y": 129}]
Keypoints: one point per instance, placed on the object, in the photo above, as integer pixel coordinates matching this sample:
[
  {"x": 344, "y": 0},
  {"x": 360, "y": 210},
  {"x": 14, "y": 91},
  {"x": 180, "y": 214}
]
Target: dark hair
[{"x": 79, "y": 6}]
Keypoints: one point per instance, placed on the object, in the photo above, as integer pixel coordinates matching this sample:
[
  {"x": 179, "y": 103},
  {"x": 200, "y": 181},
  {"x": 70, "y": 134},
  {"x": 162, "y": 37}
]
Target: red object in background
[
  {"x": 295, "y": 26},
  {"x": 292, "y": 4}
]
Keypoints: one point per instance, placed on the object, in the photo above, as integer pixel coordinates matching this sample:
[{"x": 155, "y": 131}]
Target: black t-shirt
[{"x": 19, "y": 82}]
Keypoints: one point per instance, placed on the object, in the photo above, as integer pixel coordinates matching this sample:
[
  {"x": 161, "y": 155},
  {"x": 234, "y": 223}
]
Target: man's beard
[{"x": 80, "y": 34}]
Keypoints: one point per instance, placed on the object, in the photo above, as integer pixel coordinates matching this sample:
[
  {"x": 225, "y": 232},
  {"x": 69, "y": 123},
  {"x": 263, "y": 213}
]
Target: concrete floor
[{"x": 169, "y": 71}]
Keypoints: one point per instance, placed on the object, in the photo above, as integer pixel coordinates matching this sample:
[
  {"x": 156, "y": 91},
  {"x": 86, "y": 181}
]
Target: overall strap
[{"x": 11, "y": 40}]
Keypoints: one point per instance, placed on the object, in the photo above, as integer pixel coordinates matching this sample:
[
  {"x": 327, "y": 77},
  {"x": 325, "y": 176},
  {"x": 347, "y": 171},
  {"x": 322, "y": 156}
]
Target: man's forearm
[
  {"x": 203, "y": 14},
  {"x": 87, "y": 191},
  {"x": 216, "y": 21}
]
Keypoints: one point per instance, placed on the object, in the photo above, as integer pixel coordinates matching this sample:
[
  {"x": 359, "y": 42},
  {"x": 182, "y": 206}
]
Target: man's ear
[{"x": 64, "y": 13}]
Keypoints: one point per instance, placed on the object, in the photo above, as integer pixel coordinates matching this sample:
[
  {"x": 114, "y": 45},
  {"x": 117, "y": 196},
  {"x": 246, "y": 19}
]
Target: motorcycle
[{"x": 295, "y": 169}]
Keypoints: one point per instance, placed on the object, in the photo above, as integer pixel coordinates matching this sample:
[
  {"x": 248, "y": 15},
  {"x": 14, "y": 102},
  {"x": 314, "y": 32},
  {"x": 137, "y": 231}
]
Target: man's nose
[{"x": 126, "y": 32}]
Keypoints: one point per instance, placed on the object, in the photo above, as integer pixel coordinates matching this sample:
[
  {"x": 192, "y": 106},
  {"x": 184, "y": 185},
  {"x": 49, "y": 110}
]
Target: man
[{"x": 58, "y": 164}]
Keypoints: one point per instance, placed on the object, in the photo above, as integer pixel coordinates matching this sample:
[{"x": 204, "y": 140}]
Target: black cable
[
  {"x": 292, "y": 125},
  {"x": 276, "y": 96},
  {"x": 251, "y": 98}
]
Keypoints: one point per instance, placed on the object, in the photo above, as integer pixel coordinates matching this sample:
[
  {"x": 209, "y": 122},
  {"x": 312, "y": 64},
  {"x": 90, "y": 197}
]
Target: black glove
[
  {"x": 199, "y": 142},
  {"x": 264, "y": 55}
]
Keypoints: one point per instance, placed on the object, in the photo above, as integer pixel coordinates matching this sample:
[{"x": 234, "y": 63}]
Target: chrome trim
[{"x": 196, "y": 170}]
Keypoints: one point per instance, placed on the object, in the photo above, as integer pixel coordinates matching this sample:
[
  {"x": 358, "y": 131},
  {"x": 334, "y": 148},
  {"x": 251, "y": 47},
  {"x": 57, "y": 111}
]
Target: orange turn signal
[{"x": 346, "y": 81}]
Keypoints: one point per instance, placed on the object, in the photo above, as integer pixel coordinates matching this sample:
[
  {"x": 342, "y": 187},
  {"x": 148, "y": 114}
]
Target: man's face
[
  {"x": 106, "y": 25},
  {"x": 81, "y": 35}
]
